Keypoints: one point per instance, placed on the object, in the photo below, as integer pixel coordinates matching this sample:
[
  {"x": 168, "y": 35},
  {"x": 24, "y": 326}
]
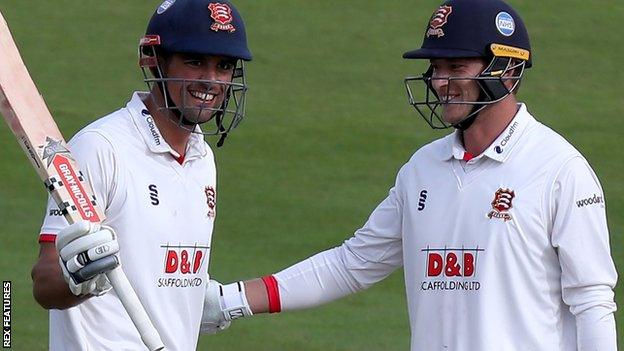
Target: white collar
[
  {"x": 501, "y": 147},
  {"x": 152, "y": 137}
]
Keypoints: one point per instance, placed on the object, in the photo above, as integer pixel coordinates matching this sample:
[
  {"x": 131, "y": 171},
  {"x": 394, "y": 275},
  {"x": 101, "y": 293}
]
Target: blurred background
[{"x": 327, "y": 128}]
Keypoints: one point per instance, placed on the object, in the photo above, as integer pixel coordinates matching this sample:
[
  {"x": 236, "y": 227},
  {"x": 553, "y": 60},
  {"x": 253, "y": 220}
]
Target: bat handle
[{"x": 135, "y": 309}]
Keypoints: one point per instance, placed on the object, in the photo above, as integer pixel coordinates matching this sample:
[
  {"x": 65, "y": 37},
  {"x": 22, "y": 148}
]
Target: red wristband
[
  {"x": 47, "y": 238},
  {"x": 275, "y": 304}
]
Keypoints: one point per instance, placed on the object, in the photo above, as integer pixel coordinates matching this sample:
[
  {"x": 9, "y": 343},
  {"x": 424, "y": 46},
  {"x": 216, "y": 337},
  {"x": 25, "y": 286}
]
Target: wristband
[
  {"x": 275, "y": 305},
  {"x": 233, "y": 301}
]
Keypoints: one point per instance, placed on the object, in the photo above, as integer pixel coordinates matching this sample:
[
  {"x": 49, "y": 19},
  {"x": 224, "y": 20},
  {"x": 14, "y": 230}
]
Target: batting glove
[
  {"x": 222, "y": 305},
  {"x": 87, "y": 251}
]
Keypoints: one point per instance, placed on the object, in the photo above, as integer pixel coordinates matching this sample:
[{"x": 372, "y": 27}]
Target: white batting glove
[
  {"x": 87, "y": 251},
  {"x": 222, "y": 305}
]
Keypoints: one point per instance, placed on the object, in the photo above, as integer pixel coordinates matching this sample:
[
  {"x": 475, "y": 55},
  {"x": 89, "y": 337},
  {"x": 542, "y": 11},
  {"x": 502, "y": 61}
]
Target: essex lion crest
[
  {"x": 439, "y": 19},
  {"x": 222, "y": 16},
  {"x": 501, "y": 204},
  {"x": 211, "y": 201}
]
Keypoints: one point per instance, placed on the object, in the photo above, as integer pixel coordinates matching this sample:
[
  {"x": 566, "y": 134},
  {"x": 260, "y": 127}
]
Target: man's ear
[
  {"x": 163, "y": 60},
  {"x": 514, "y": 71}
]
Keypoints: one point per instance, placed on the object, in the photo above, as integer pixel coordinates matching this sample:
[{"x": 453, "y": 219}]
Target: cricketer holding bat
[
  {"x": 500, "y": 226},
  {"x": 155, "y": 176}
]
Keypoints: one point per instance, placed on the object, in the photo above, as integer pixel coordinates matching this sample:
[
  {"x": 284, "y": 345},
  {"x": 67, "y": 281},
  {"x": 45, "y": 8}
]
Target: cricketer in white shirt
[
  {"x": 162, "y": 207},
  {"x": 506, "y": 251}
]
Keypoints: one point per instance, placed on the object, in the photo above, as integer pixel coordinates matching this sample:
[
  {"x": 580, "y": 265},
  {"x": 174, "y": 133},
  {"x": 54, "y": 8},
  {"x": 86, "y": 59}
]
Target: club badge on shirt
[
  {"x": 211, "y": 201},
  {"x": 501, "y": 204}
]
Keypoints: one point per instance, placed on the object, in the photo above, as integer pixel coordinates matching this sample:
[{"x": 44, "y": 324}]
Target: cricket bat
[{"x": 30, "y": 121}]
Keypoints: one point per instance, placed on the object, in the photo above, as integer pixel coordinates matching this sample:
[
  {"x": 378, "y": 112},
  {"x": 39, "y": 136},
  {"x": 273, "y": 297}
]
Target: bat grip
[{"x": 135, "y": 309}]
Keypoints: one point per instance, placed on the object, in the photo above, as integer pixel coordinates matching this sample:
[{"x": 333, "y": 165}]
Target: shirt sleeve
[
  {"x": 369, "y": 256},
  {"x": 581, "y": 237},
  {"x": 95, "y": 157}
]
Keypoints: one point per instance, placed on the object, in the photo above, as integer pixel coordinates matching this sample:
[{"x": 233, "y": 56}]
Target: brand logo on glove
[
  {"x": 102, "y": 249},
  {"x": 222, "y": 15},
  {"x": 236, "y": 313}
]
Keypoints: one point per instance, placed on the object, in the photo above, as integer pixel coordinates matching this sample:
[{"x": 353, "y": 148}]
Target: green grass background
[{"x": 327, "y": 127}]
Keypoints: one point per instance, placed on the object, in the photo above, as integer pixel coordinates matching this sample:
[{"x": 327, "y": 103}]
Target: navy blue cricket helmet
[
  {"x": 488, "y": 29},
  {"x": 468, "y": 28},
  {"x": 203, "y": 27},
  {"x": 200, "y": 27}
]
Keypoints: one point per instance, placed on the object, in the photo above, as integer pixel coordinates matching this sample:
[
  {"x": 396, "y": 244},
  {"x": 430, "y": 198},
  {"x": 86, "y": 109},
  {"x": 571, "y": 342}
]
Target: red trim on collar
[
  {"x": 179, "y": 159},
  {"x": 467, "y": 156}
]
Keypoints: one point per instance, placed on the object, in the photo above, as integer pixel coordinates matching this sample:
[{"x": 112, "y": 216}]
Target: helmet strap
[
  {"x": 467, "y": 122},
  {"x": 495, "y": 89}
]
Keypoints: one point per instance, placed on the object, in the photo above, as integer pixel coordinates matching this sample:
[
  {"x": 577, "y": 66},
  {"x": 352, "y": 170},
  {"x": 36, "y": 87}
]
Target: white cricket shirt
[
  {"x": 499, "y": 252},
  {"x": 163, "y": 213}
]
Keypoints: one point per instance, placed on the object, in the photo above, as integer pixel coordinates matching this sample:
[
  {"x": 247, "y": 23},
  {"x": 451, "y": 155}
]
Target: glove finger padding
[
  {"x": 84, "y": 258},
  {"x": 99, "y": 239},
  {"x": 74, "y": 231},
  {"x": 98, "y": 285},
  {"x": 85, "y": 251}
]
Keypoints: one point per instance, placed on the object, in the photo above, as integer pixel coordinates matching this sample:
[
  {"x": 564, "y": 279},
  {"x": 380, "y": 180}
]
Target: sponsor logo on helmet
[
  {"x": 439, "y": 19},
  {"x": 150, "y": 40},
  {"x": 502, "y": 204},
  {"x": 222, "y": 15},
  {"x": 165, "y": 6},
  {"x": 505, "y": 24},
  {"x": 509, "y": 51}
]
